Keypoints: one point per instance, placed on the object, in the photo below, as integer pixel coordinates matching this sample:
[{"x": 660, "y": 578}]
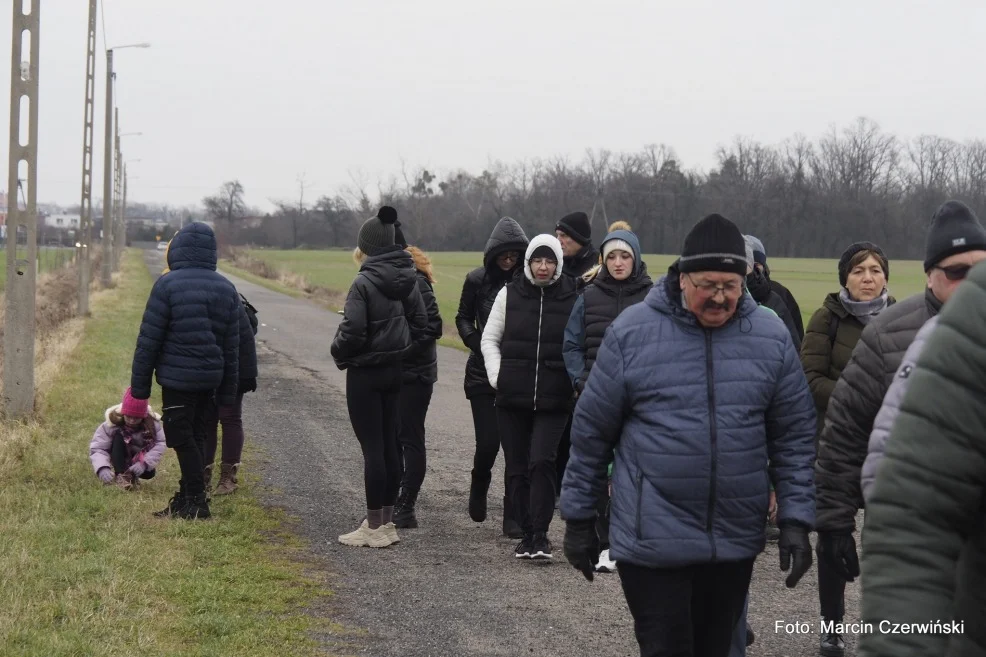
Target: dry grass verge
[{"x": 244, "y": 262}]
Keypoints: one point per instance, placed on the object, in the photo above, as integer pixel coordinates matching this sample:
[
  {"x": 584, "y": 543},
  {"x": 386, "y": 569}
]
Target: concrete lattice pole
[
  {"x": 84, "y": 236},
  {"x": 107, "y": 233}
]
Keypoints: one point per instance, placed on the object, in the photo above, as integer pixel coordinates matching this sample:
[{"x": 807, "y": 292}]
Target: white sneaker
[
  {"x": 366, "y": 537},
  {"x": 605, "y": 565},
  {"x": 392, "y": 532}
]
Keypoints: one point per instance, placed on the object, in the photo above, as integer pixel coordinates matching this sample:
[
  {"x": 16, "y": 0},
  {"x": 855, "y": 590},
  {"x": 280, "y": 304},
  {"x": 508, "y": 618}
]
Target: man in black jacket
[
  {"x": 760, "y": 264},
  {"x": 189, "y": 337},
  {"x": 575, "y": 235},
  {"x": 760, "y": 288}
]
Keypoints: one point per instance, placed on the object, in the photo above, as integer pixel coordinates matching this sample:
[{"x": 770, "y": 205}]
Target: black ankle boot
[
  {"x": 404, "y": 511},
  {"x": 510, "y": 527},
  {"x": 477, "y": 495},
  {"x": 175, "y": 504},
  {"x": 196, "y": 507}
]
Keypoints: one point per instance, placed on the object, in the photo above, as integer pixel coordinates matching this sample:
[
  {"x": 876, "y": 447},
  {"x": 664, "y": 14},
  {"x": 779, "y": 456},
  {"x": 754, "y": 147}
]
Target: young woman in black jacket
[
  {"x": 384, "y": 315},
  {"x": 419, "y": 377},
  {"x": 502, "y": 259},
  {"x": 522, "y": 350}
]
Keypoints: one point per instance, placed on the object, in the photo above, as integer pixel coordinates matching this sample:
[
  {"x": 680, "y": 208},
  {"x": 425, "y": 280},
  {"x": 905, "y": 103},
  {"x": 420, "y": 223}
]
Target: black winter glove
[
  {"x": 794, "y": 543},
  {"x": 581, "y": 545},
  {"x": 838, "y": 549},
  {"x": 247, "y": 385}
]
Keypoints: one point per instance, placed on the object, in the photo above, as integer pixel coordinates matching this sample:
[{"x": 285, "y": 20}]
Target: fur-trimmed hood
[
  {"x": 422, "y": 263},
  {"x": 116, "y": 409}
]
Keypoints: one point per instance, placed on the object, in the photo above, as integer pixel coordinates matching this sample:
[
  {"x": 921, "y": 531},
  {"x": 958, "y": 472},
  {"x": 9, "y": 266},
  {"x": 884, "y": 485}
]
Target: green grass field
[
  {"x": 808, "y": 279},
  {"x": 48, "y": 258}
]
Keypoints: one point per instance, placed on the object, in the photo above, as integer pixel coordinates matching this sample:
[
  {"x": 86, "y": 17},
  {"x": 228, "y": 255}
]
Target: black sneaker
[
  {"x": 176, "y": 503},
  {"x": 404, "y": 518},
  {"x": 832, "y": 645},
  {"x": 541, "y": 549},
  {"x": 196, "y": 508},
  {"x": 523, "y": 549},
  {"x": 750, "y": 637}
]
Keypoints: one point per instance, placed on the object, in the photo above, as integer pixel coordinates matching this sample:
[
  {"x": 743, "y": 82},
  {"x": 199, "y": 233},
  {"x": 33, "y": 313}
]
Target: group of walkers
[{"x": 680, "y": 420}]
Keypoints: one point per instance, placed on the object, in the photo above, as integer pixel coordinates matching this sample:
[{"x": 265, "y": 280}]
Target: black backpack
[{"x": 251, "y": 314}]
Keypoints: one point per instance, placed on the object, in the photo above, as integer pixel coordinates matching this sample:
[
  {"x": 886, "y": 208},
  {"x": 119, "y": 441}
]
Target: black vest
[
  {"x": 532, "y": 371},
  {"x": 604, "y": 300}
]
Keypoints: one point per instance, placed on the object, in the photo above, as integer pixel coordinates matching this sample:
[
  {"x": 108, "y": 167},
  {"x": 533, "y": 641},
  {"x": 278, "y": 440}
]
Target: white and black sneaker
[
  {"x": 524, "y": 548},
  {"x": 605, "y": 565},
  {"x": 541, "y": 548}
]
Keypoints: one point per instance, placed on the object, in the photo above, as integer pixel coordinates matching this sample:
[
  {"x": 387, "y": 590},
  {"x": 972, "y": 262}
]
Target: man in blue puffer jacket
[
  {"x": 704, "y": 395},
  {"x": 189, "y": 337}
]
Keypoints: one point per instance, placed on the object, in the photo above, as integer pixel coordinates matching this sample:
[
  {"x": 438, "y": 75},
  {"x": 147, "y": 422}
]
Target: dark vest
[
  {"x": 532, "y": 371},
  {"x": 604, "y": 300}
]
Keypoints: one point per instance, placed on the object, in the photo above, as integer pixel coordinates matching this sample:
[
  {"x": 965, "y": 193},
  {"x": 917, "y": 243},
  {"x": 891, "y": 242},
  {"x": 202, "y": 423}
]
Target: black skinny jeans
[
  {"x": 185, "y": 416},
  {"x": 831, "y": 592},
  {"x": 415, "y": 398},
  {"x": 373, "y": 399},
  {"x": 119, "y": 458},
  {"x": 487, "y": 438}
]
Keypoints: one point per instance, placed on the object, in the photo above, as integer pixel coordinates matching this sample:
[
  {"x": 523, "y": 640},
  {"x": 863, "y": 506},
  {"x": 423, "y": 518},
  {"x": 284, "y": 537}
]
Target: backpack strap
[{"x": 833, "y": 328}]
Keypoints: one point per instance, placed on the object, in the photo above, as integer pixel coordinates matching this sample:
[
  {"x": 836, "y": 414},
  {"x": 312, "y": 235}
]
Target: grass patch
[
  {"x": 86, "y": 570},
  {"x": 50, "y": 258}
]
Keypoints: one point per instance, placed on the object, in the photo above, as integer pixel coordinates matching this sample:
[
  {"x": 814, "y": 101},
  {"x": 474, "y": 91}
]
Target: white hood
[{"x": 543, "y": 240}]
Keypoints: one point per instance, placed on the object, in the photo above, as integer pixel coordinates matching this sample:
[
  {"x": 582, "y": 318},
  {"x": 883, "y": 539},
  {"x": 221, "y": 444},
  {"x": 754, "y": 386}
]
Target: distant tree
[{"x": 227, "y": 205}]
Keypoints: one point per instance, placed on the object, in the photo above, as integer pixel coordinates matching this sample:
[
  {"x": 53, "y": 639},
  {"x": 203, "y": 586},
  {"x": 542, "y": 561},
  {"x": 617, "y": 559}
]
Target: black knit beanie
[
  {"x": 714, "y": 244},
  {"x": 377, "y": 233},
  {"x": 850, "y": 253},
  {"x": 544, "y": 251},
  {"x": 576, "y": 225},
  {"x": 954, "y": 229}
]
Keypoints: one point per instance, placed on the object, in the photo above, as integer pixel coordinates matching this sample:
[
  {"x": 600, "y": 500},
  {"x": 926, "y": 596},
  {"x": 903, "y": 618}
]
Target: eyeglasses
[
  {"x": 542, "y": 262},
  {"x": 730, "y": 289},
  {"x": 955, "y": 272}
]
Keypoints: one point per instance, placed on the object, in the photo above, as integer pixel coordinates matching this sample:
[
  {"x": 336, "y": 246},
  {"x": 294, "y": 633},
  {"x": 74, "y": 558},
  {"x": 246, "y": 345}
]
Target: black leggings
[
  {"x": 831, "y": 592},
  {"x": 415, "y": 398},
  {"x": 373, "y": 398},
  {"x": 487, "y": 434},
  {"x": 184, "y": 417}
]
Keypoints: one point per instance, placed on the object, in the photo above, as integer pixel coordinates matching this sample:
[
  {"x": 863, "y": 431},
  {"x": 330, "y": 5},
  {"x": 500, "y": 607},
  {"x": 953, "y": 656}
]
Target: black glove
[
  {"x": 581, "y": 545},
  {"x": 794, "y": 542},
  {"x": 247, "y": 385},
  {"x": 838, "y": 549}
]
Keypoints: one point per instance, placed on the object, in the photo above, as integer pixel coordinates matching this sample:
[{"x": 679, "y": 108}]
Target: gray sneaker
[{"x": 832, "y": 645}]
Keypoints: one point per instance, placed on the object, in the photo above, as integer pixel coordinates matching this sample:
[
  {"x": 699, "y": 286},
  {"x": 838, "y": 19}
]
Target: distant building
[{"x": 63, "y": 221}]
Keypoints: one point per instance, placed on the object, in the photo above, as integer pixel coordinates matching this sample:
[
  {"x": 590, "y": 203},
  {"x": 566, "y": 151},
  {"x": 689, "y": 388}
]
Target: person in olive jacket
[
  {"x": 956, "y": 241},
  {"x": 502, "y": 260},
  {"x": 924, "y": 556},
  {"x": 383, "y": 316},
  {"x": 832, "y": 334},
  {"x": 420, "y": 374},
  {"x": 522, "y": 350},
  {"x": 190, "y": 339}
]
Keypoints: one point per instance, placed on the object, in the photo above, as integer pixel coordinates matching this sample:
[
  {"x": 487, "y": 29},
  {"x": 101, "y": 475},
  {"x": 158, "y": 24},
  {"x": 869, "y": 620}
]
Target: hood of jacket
[
  {"x": 543, "y": 240},
  {"x": 422, "y": 263},
  {"x": 193, "y": 247},
  {"x": 665, "y": 297},
  {"x": 639, "y": 266},
  {"x": 117, "y": 408},
  {"x": 392, "y": 272},
  {"x": 759, "y": 286},
  {"x": 507, "y": 235}
]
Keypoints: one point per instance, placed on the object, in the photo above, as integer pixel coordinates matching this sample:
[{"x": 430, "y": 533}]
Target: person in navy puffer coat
[
  {"x": 189, "y": 337},
  {"x": 703, "y": 394}
]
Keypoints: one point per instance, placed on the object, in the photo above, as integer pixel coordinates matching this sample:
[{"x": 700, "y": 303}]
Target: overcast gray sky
[{"x": 265, "y": 90}]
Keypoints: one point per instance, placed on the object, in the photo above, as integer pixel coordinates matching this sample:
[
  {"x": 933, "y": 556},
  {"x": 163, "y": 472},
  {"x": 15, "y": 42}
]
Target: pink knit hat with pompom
[{"x": 133, "y": 407}]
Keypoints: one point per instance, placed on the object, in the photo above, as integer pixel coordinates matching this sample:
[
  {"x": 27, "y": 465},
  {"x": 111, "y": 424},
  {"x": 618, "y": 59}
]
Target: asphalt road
[{"x": 451, "y": 587}]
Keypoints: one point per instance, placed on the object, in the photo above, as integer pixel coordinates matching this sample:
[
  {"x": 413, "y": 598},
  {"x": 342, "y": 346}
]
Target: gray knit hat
[{"x": 377, "y": 233}]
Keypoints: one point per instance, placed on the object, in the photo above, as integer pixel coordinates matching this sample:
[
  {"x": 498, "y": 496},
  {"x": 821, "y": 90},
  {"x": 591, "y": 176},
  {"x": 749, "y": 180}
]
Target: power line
[{"x": 102, "y": 13}]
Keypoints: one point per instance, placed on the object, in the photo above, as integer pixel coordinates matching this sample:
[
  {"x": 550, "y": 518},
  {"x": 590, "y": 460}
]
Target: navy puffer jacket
[
  {"x": 694, "y": 416},
  {"x": 190, "y": 333}
]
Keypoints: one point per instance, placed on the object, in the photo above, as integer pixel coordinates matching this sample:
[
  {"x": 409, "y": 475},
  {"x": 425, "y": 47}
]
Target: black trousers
[
  {"x": 120, "y": 460},
  {"x": 373, "y": 398},
  {"x": 185, "y": 417},
  {"x": 686, "y": 612},
  {"x": 530, "y": 445},
  {"x": 831, "y": 592},
  {"x": 487, "y": 439},
  {"x": 564, "y": 447},
  {"x": 414, "y": 401}
]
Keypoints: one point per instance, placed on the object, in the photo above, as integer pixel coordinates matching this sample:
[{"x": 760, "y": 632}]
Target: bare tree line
[{"x": 802, "y": 198}]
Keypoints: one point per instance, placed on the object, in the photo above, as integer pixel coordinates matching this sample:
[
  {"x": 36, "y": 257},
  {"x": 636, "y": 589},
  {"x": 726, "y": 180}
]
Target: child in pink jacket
[{"x": 128, "y": 445}]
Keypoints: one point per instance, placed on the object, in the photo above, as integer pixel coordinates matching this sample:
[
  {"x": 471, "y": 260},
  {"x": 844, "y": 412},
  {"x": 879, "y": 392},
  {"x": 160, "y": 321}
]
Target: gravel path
[{"x": 451, "y": 587}]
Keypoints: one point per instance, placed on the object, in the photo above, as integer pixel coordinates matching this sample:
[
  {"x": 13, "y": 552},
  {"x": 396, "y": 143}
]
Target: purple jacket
[{"x": 102, "y": 441}]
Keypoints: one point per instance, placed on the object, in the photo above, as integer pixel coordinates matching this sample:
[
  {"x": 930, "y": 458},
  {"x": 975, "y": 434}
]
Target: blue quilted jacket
[
  {"x": 190, "y": 332},
  {"x": 697, "y": 415}
]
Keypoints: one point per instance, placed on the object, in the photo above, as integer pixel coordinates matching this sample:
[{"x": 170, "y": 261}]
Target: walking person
[
  {"x": 383, "y": 316},
  {"x": 128, "y": 445},
  {"x": 956, "y": 241},
  {"x": 690, "y": 489},
  {"x": 420, "y": 372},
  {"x": 522, "y": 350},
  {"x": 619, "y": 283},
  {"x": 760, "y": 264},
  {"x": 760, "y": 289},
  {"x": 190, "y": 338},
  {"x": 230, "y": 418},
  {"x": 924, "y": 557},
  {"x": 502, "y": 262}
]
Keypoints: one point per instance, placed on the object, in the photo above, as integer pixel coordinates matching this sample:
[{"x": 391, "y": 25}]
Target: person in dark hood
[
  {"x": 574, "y": 233},
  {"x": 760, "y": 289},
  {"x": 522, "y": 350},
  {"x": 760, "y": 264},
  {"x": 190, "y": 338},
  {"x": 383, "y": 317},
  {"x": 502, "y": 260},
  {"x": 620, "y": 282}
]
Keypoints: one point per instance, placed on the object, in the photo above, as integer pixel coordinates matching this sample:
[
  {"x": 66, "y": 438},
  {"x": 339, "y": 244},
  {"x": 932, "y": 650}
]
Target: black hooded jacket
[
  {"x": 478, "y": 292},
  {"x": 791, "y": 303},
  {"x": 190, "y": 332},
  {"x": 761, "y": 290},
  {"x": 580, "y": 263},
  {"x": 384, "y": 313}
]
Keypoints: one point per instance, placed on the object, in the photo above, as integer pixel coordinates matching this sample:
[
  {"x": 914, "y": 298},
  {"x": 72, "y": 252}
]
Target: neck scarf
[{"x": 864, "y": 311}]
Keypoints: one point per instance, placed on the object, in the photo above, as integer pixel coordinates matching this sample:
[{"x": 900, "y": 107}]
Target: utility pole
[
  {"x": 123, "y": 209},
  {"x": 116, "y": 191},
  {"x": 84, "y": 238},
  {"x": 107, "y": 269},
  {"x": 18, "y": 335}
]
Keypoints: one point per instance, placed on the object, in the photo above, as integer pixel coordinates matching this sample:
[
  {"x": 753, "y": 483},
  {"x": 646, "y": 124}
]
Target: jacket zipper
[
  {"x": 713, "y": 439},
  {"x": 537, "y": 353},
  {"x": 640, "y": 502}
]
